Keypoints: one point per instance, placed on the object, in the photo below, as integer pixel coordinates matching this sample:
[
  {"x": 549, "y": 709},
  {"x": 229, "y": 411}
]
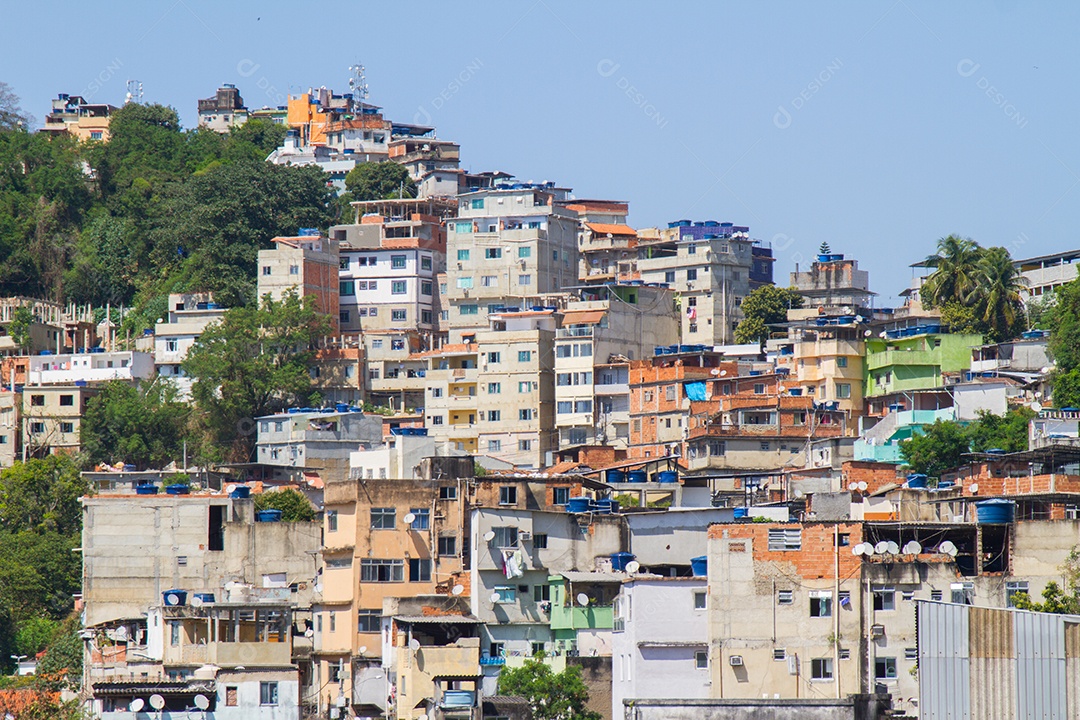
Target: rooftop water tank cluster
[{"x": 581, "y": 505}]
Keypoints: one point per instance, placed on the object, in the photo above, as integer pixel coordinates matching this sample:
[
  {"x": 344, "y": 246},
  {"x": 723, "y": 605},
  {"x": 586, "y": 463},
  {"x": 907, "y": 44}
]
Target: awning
[
  {"x": 583, "y": 317},
  {"x": 437, "y": 619},
  {"x": 125, "y": 689},
  {"x": 592, "y": 577}
]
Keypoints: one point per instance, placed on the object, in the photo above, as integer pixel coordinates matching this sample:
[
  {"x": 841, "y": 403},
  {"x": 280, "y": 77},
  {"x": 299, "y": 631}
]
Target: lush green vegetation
[
  {"x": 977, "y": 288},
  {"x": 765, "y": 306},
  {"x": 293, "y": 505},
  {"x": 553, "y": 696},
  {"x": 142, "y": 425},
  {"x": 941, "y": 446}
]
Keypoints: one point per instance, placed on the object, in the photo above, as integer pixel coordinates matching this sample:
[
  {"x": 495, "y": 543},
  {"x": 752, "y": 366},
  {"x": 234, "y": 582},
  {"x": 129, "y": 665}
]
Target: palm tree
[
  {"x": 997, "y": 301},
  {"x": 955, "y": 277}
]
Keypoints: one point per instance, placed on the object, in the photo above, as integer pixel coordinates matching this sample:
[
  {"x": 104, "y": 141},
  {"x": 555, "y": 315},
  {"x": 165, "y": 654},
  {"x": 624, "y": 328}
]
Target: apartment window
[
  {"x": 524, "y": 356},
  {"x": 785, "y": 597},
  {"x": 36, "y": 428},
  {"x": 343, "y": 263},
  {"x": 462, "y": 254},
  {"x": 397, "y": 262},
  {"x": 494, "y": 415},
  {"x": 425, "y": 263},
  {"x": 426, "y": 316},
  {"x": 343, "y": 316},
  {"x": 494, "y": 357},
  {"x": 492, "y": 253},
  {"x": 699, "y": 600},
  {"x": 841, "y": 362},
  {"x": 398, "y": 287},
  {"x": 368, "y": 621},
  {"x": 505, "y": 537},
  {"x": 1011, "y": 589},
  {"x": 843, "y": 391},
  {"x": 691, "y": 249},
  {"x": 383, "y": 518},
  {"x": 419, "y": 570},
  {"x": 67, "y": 427},
  {"x": 963, "y": 593},
  {"x": 294, "y": 269},
  {"x": 525, "y": 445},
  {"x": 372, "y": 570},
  {"x": 447, "y": 546},
  {"x": 347, "y": 287},
  {"x": 398, "y": 315},
  {"x": 494, "y": 388},
  {"x": 781, "y": 539},
  {"x": 935, "y": 595},
  {"x": 820, "y": 603},
  {"x": 717, "y": 448},
  {"x": 669, "y": 277},
  {"x": 540, "y": 541},
  {"x": 465, "y": 283},
  {"x": 397, "y": 344},
  {"x": 701, "y": 660},
  {"x": 564, "y": 406},
  {"x": 759, "y": 388},
  {"x": 494, "y": 446},
  {"x": 266, "y": 270},
  {"x": 524, "y": 279},
  {"x": 469, "y": 309},
  {"x": 231, "y": 698},
  {"x": 172, "y": 345},
  {"x": 907, "y": 595},
  {"x": 37, "y": 400},
  {"x": 885, "y": 668},
  {"x": 268, "y": 693},
  {"x": 691, "y": 274},
  {"x": 524, "y": 252},
  {"x": 821, "y": 669},
  {"x": 508, "y": 495},
  {"x": 489, "y": 281},
  {"x": 448, "y": 492},
  {"x": 421, "y": 518},
  {"x": 525, "y": 414},
  {"x": 911, "y": 654},
  {"x": 506, "y": 594},
  {"x": 541, "y": 593},
  {"x": 560, "y": 495},
  {"x": 884, "y": 598}
]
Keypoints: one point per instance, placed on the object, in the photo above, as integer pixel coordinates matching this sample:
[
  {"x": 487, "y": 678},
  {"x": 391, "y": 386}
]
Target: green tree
[
  {"x": 142, "y": 425},
  {"x": 253, "y": 363},
  {"x": 1007, "y": 432},
  {"x": 19, "y": 327},
  {"x": 34, "y": 635},
  {"x": 379, "y": 181},
  {"x": 939, "y": 448},
  {"x": 1064, "y": 345},
  {"x": 293, "y": 505},
  {"x": 765, "y": 306},
  {"x": 12, "y": 116},
  {"x": 1057, "y": 599},
  {"x": 997, "y": 301},
  {"x": 63, "y": 661},
  {"x": 553, "y": 696},
  {"x": 959, "y": 318},
  {"x": 42, "y": 495},
  {"x": 955, "y": 276}
]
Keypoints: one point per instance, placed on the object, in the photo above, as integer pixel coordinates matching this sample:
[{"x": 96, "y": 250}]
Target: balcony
[
  {"x": 572, "y": 617},
  {"x": 488, "y": 660},
  {"x": 575, "y": 332},
  {"x": 612, "y": 389},
  {"x": 887, "y": 358},
  {"x": 461, "y": 659}
]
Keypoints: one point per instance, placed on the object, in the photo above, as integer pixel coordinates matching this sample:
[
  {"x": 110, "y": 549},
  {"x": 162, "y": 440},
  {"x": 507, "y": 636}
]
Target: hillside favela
[{"x": 310, "y": 410}]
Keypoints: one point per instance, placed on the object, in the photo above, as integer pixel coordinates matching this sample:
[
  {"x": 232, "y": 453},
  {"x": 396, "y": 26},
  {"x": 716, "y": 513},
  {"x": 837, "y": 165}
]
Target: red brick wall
[{"x": 818, "y": 556}]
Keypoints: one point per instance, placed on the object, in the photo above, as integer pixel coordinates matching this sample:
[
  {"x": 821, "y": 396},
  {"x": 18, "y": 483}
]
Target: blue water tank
[
  {"x": 240, "y": 492},
  {"x": 740, "y": 513},
  {"x": 268, "y": 516},
  {"x": 995, "y": 511},
  {"x": 619, "y": 561},
  {"x": 205, "y": 597},
  {"x": 916, "y": 480},
  {"x": 637, "y": 476},
  {"x": 341, "y": 407},
  {"x": 667, "y": 476},
  {"x": 174, "y": 598},
  {"x": 607, "y": 506},
  {"x": 177, "y": 489},
  {"x": 615, "y": 476},
  {"x": 578, "y": 505},
  {"x": 700, "y": 565},
  {"x": 146, "y": 489}
]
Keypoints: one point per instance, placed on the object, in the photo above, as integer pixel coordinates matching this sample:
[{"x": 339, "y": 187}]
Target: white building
[
  {"x": 91, "y": 367},
  {"x": 660, "y": 642},
  {"x": 189, "y": 316}
]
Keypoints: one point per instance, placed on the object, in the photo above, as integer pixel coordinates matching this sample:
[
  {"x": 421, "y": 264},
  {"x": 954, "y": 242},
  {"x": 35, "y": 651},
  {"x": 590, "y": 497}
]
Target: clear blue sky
[{"x": 878, "y": 127}]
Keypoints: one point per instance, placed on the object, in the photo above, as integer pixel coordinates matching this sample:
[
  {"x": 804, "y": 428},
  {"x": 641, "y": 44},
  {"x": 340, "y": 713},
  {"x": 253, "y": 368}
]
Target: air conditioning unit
[
  {"x": 877, "y": 631},
  {"x": 735, "y": 660},
  {"x": 525, "y": 536}
]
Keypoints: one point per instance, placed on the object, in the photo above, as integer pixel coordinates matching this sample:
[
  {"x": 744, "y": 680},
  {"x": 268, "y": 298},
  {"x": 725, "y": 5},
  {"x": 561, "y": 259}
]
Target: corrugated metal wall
[{"x": 988, "y": 663}]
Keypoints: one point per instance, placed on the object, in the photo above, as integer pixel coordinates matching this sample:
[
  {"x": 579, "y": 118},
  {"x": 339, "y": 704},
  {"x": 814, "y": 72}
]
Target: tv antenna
[{"x": 134, "y": 92}]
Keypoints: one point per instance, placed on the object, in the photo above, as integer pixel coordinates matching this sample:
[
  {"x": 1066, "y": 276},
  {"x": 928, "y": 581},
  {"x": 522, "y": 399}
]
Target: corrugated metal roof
[{"x": 437, "y": 619}]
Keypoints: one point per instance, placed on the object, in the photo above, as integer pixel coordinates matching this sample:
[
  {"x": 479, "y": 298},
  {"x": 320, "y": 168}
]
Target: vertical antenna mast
[
  {"x": 358, "y": 83},
  {"x": 134, "y": 92}
]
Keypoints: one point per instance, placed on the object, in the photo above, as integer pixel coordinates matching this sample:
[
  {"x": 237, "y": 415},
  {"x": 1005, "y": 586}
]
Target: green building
[
  {"x": 911, "y": 361},
  {"x": 569, "y": 613}
]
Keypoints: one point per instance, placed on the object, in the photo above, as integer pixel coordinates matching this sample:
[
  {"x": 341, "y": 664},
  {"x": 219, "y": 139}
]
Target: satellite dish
[
  {"x": 136, "y": 705},
  {"x": 881, "y": 548},
  {"x": 947, "y": 548},
  {"x": 409, "y": 518},
  {"x": 583, "y": 599},
  {"x": 974, "y": 488},
  {"x": 202, "y": 702},
  {"x": 853, "y": 486},
  {"x": 863, "y": 486},
  {"x": 857, "y": 550},
  {"x": 309, "y": 633},
  {"x": 633, "y": 566},
  {"x": 714, "y": 371},
  {"x": 196, "y": 601},
  {"x": 231, "y": 585},
  {"x": 867, "y": 549},
  {"x": 912, "y": 547},
  {"x": 172, "y": 599},
  {"x": 414, "y": 644},
  {"x": 894, "y": 549},
  {"x": 867, "y": 333},
  {"x": 457, "y": 589},
  {"x": 157, "y": 702},
  {"x": 494, "y": 597},
  {"x": 859, "y": 318},
  {"x": 723, "y": 373},
  {"x": 883, "y": 334},
  {"x": 1036, "y": 406},
  {"x": 363, "y": 649},
  {"x": 489, "y": 536}
]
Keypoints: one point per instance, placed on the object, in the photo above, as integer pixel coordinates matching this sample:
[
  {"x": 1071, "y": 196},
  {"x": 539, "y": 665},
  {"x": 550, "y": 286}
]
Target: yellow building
[
  {"x": 826, "y": 363},
  {"x": 73, "y": 115}
]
